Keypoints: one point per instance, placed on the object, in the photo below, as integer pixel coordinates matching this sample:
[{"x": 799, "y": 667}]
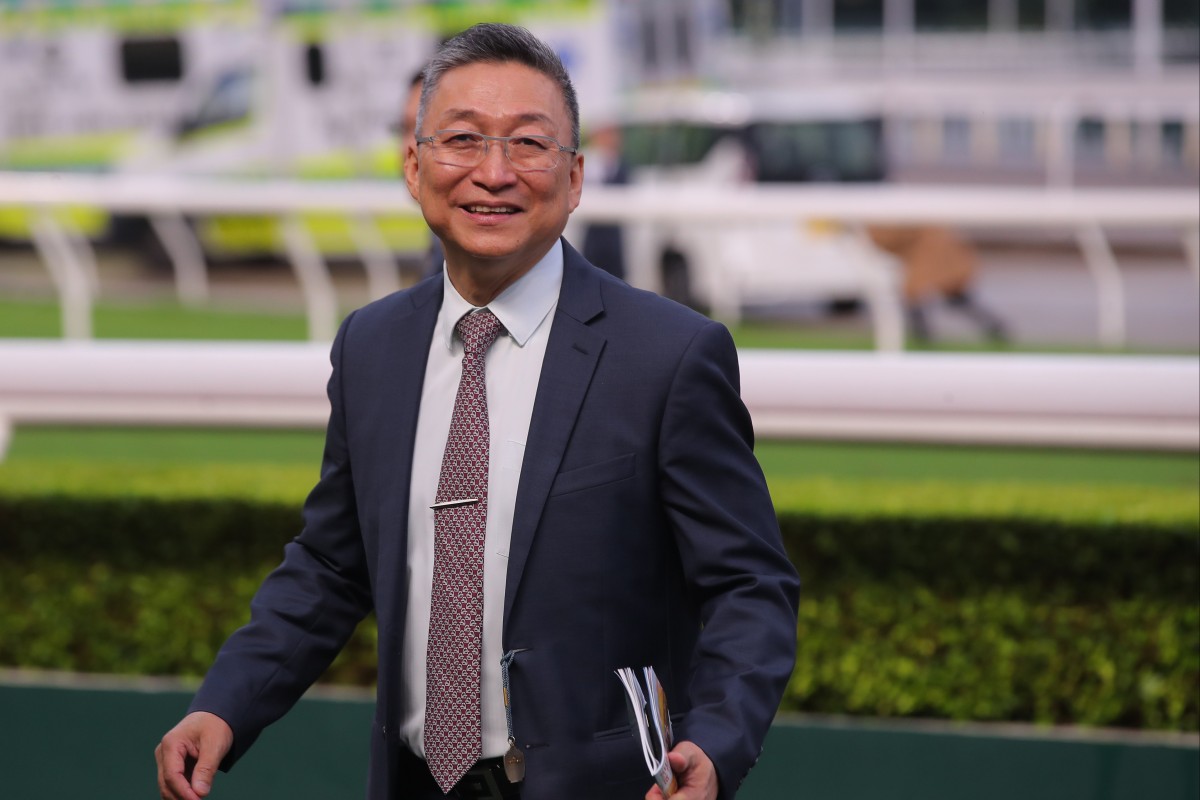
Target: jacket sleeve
[
  {"x": 306, "y": 609},
  {"x": 733, "y": 559}
]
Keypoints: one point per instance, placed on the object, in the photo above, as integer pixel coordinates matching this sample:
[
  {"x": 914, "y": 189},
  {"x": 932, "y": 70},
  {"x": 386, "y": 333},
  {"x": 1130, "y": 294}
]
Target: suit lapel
[
  {"x": 572, "y": 353},
  {"x": 405, "y": 351}
]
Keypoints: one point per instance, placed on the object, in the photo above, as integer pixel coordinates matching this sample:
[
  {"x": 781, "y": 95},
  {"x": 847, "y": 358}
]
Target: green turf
[
  {"x": 1089, "y": 504},
  {"x": 161, "y": 319},
  {"x": 782, "y": 461},
  {"x": 168, "y": 320},
  {"x": 162, "y": 446},
  {"x": 820, "y": 478},
  {"x": 155, "y": 320},
  {"x": 787, "y": 460}
]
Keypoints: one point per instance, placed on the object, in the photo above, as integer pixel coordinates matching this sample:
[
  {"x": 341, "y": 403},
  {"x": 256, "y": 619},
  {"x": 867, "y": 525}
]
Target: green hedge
[
  {"x": 961, "y": 556},
  {"x": 916, "y": 602}
]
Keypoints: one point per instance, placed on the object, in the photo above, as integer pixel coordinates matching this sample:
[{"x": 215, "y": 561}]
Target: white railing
[
  {"x": 1046, "y": 400},
  {"x": 1088, "y": 214}
]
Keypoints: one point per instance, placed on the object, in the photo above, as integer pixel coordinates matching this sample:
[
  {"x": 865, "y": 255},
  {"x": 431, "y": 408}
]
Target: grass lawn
[
  {"x": 787, "y": 460},
  {"x": 152, "y": 320},
  {"x": 152, "y": 447},
  {"x": 155, "y": 447},
  {"x": 168, "y": 320},
  {"x": 816, "y": 476}
]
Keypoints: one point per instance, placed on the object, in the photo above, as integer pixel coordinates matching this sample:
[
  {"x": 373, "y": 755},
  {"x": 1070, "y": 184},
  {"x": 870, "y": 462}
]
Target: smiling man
[
  {"x": 533, "y": 475},
  {"x": 493, "y": 180}
]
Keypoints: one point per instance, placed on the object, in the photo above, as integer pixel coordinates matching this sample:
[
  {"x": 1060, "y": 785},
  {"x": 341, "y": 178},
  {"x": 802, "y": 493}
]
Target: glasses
[{"x": 529, "y": 153}]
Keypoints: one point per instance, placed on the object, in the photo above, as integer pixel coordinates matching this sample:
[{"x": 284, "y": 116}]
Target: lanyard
[{"x": 514, "y": 759}]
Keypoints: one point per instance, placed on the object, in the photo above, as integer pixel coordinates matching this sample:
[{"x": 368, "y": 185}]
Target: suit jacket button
[{"x": 383, "y": 730}]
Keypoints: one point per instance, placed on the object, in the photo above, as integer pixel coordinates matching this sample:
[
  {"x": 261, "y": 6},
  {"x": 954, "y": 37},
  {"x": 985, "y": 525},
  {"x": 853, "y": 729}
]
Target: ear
[
  {"x": 576, "y": 182},
  {"x": 412, "y": 167}
]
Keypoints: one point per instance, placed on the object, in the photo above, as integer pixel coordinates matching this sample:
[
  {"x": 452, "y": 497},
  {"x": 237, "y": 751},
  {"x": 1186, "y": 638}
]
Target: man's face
[{"x": 491, "y": 217}]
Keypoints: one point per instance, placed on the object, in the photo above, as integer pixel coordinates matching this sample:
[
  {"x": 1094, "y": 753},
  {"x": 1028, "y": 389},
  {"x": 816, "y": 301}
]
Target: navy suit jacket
[{"x": 643, "y": 534}]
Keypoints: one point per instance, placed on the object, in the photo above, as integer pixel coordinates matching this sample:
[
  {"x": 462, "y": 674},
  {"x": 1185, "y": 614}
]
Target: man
[
  {"x": 406, "y": 128},
  {"x": 523, "y": 516},
  {"x": 406, "y": 132},
  {"x": 603, "y": 242}
]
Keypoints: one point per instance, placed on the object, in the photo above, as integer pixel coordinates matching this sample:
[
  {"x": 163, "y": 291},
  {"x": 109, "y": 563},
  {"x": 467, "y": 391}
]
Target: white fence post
[
  {"x": 320, "y": 299},
  {"x": 68, "y": 273},
  {"x": 187, "y": 257},
  {"x": 1110, "y": 292}
]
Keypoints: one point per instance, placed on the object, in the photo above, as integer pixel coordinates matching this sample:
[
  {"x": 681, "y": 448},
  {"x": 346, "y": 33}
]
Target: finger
[
  {"x": 172, "y": 759},
  {"x": 694, "y": 772},
  {"x": 162, "y": 778},
  {"x": 211, "y": 753},
  {"x": 179, "y": 789}
]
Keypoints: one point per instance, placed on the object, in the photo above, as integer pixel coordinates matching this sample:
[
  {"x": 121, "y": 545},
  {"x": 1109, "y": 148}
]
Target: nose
[{"x": 495, "y": 170}]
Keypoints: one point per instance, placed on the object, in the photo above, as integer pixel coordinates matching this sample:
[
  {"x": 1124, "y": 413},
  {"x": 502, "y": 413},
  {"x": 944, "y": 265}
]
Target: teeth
[{"x": 490, "y": 210}]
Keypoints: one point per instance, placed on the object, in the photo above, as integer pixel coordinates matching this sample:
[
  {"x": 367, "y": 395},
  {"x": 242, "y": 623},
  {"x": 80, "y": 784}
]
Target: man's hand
[
  {"x": 694, "y": 772},
  {"x": 188, "y": 756}
]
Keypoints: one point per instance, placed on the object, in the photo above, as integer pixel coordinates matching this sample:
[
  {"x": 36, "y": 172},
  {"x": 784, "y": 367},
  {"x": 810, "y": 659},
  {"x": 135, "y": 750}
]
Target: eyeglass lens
[{"x": 467, "y": 149}]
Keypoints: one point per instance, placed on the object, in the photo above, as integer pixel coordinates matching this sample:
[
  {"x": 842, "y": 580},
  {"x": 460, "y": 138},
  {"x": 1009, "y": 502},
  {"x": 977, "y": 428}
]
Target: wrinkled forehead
[
  {"x": 477, "y": 118},
  {"x": 496, "y": 93}
]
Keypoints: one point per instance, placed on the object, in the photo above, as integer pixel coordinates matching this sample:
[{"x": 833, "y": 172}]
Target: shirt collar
[{"x": 521, "y": 308}]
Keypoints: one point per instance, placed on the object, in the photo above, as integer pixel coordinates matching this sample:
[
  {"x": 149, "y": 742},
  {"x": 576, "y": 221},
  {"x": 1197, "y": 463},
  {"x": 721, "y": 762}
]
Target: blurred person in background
[
  {"x": 406, "y": 130},
  {"x": 533, "y": 475},
  {"x": 938, "y": 265},
  {"x": 604, "y": 243}
]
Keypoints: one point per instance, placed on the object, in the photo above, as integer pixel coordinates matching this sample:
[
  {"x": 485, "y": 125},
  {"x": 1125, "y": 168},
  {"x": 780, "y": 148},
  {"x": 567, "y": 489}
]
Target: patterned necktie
[{"x": 453, "y": 742}]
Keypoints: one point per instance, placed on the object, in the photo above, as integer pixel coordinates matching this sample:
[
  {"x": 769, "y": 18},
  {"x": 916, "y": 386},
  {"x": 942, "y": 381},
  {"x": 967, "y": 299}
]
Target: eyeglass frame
[{"x": 431, "y": 139}]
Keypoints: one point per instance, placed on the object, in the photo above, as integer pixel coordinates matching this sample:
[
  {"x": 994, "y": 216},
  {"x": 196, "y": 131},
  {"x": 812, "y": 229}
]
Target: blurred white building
[
  {"x": 1057, "y": 91},
  {"x": 1064, "y": 92},
  {"x": 771, "y": 40}
]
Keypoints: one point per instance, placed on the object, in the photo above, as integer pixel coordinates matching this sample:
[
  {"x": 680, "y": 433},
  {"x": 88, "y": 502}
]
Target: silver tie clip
[{"x": 470, "y": 501}]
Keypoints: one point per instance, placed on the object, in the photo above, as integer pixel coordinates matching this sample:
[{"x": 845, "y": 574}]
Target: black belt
[{"x": 486, "y": 781}]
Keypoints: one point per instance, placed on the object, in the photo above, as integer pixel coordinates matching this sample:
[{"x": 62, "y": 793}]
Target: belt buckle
[{"x": 482, "y": 782}]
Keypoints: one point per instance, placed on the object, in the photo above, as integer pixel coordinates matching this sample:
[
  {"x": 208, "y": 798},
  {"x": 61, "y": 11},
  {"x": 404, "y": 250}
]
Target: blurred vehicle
[
  {"x": 294, "y": 89},
  {"x": 299, "y": 107},
  {"x": 704, "y": 138},
  {"x": 79, "y": 81},
  {"x": 1086, "y": 129}
]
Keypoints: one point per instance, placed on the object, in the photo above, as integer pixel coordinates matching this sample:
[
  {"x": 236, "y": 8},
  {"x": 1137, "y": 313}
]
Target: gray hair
[{"x": 496, "y": 43}]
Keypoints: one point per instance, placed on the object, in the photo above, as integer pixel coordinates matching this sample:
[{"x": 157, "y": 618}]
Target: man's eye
[
  {"x": 531, "y": 143},
  {"x": 460, "y": 139}
]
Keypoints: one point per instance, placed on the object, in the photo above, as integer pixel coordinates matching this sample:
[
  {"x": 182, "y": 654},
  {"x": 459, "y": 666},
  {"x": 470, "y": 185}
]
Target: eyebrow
[{"x": 471, "y": 115}]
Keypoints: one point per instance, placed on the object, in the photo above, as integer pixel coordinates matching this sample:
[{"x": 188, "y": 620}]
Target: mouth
[{"x": 486, "y": 210}]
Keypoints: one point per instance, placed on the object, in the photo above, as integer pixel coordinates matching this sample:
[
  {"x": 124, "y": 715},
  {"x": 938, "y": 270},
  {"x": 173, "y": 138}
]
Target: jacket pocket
[
  {"x": 614, "y": 733},
  {"x": 610, "y": 471}
]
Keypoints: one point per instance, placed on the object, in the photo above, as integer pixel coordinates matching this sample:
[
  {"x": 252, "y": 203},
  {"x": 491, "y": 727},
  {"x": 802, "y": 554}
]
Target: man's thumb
[{"x": 206, "y": 766}]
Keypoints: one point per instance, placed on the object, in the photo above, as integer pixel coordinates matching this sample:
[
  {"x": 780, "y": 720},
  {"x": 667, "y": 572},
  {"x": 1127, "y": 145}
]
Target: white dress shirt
[{"x": 513, "y": 367}]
